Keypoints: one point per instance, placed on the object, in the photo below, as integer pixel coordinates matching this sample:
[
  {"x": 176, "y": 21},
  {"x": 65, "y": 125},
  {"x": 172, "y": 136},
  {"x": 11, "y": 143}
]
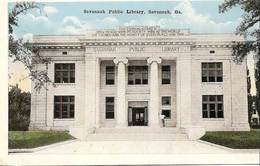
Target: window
[
  {"x": 110, "y": 104},
  {"x": 137, "y": 75},
  {"x": 166, "y": 106},
  {"x": 166, "y": 74},
  {"x": 64, "y": 53},
  {"x": 64, "y": 73},
  {"x": 63, "y": 107},
  {"x": 166, "y": 113},
  {"x": 110, "y": 75},
  {"x": 212, "y": 72},
  {"x": 166, "y": 100},
  {"x": 212, "y": 106}
]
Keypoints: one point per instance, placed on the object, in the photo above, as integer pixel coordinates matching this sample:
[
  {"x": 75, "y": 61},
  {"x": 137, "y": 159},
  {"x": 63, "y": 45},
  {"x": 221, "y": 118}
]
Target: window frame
[
  {"x": 167, "y": 107},
  {"x": 59, "y": 73},
  {"x": 215, "y": 101},
  {"x": 208, "y": 72},
  {"x": 143, "y": 73},
  {"x": 170, "y": 115},
  {"x": 106, "y": 104},
  {"x": 162, "y": 75},
  {"x": 70, "y": 101},
  {"x": 110, "y": 73}
]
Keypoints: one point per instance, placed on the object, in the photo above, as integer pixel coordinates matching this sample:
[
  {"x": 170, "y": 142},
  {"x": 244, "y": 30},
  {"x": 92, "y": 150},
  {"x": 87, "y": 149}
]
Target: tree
[
  {"x": 19, "y": 109},
  {"x": 249, "y": 26},
  {"x": 22, "y": 51}
]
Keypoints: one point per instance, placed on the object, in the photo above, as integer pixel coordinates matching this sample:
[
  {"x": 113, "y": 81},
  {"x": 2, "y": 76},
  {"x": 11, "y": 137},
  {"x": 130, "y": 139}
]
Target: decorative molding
[
  {"x": 154, "y": 59},
  {"x": 57, "y": 47},
  {"x": 213, "y": 46},
  {"x": 118, "y": 60},
  {"x": 136, "y": 43}
]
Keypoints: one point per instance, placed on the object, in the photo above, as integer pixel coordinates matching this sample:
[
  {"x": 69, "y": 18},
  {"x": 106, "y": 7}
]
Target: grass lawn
[
  {"x": 33, "y": 139},
  {"x": 234, "y": 139}
]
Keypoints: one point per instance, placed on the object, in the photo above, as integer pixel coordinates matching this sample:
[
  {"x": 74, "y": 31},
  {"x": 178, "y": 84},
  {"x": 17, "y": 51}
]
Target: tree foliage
[
  {"x": 248, "y": 26},
  {"x": 23, "y": 51},
  {"x": 19, "y": 109}
]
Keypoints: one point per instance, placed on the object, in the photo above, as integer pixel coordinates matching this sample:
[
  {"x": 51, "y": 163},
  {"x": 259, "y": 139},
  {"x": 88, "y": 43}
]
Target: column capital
[
  {"x": 153, "y": 59},
  {"x": 123, "y": 60}
]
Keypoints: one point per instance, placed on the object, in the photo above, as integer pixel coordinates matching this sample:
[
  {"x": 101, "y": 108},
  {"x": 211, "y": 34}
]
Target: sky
[{"x": 62, "y": 18}]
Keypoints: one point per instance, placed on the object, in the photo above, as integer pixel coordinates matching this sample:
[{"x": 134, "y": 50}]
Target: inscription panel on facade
[{"x": 137, "y": 49}]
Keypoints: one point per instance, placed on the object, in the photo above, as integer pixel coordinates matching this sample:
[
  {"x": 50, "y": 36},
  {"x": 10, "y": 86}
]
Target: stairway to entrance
[{"x": 138, "y": 134}]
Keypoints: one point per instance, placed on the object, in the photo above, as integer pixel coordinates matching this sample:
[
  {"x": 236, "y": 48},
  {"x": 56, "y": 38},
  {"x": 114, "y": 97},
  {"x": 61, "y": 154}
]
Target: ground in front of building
[
  {"x": 235, "y": 140},
  {"x": 33, "y": 139}
]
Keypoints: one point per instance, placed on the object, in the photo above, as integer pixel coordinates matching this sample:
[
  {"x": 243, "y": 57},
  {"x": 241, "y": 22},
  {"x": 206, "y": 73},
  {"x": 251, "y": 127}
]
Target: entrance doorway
[{"x": 137, "y": 116}]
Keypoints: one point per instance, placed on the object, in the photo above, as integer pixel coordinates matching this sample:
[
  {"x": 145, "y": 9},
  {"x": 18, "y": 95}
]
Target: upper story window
[
  {"x": 110, "y": 75},
  {"x": 64, "y": 107},
  {"x": 110, "y": 106},
  {"x": 166, "y": 74},
  {"x": 137, "y": 75},
  {"x": 212, "y": 106},
  {"x": 212, "y": 72},
  {"x": 64, "y": 73}
]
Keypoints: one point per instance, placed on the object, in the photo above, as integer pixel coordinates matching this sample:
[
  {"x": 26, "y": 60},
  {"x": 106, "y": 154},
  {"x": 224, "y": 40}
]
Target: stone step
[
  {"x": 137, "y": 130},
  {"x": 136, "y": 137}
]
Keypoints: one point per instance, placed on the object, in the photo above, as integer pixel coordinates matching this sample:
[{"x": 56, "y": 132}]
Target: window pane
[
  {"x": 220, "y": 114},
  {"x": 205, "y": 114},
  {"x": 204, "y": 98},
  {"x": 109, "y": 115},
  {"x": 219, "y": 65},
  {"x": 212, "y": 98},
  {"x": 166, "y": 68},
  {"x": 57, "y": 98},
  {"x": 167, "y": 113},
  {"x": 212, "y": 114},
  {"x": 57, "y": 110},
  {"x": 204, "y": 107},
  {"x": 220, "y": 98},
  {"x": 64, "y": 111},
  {"x": 211, "y": 65},
  {"x": 204, "y": 65},
  {"x": 166, "y": 100},
  {"x": 212, "y": 107}
]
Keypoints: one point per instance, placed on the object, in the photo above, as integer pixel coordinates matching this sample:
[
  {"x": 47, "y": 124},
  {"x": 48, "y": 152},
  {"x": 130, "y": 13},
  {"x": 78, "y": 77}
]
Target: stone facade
[{"x": 183, "y": 51}]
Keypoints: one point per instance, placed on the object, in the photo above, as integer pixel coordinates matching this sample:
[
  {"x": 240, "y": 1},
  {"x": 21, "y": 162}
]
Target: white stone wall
[
  {"x": 43, "y": 102},
  {"x": 233, "y": 88}
]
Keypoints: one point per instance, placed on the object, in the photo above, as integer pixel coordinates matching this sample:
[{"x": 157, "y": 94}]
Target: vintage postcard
[{"x": 143, "y": 82}]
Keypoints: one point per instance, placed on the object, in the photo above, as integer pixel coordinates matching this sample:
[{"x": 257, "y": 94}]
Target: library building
[{"x": 140, "y": 82}]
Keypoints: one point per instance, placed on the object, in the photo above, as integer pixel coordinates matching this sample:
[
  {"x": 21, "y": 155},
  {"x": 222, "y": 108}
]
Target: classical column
[
  {"x": 154, "y": 92},
  {"x": 90, "y": 94},
  {"x": 121, "y": 92}
]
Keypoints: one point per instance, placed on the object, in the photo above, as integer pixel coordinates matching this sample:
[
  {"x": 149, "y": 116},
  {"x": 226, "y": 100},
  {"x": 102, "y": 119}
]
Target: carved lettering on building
[
  {"x": 104, "y": 49},
  {"x": 136, "y": 49},
  {"x": 170, "y": 49}
]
